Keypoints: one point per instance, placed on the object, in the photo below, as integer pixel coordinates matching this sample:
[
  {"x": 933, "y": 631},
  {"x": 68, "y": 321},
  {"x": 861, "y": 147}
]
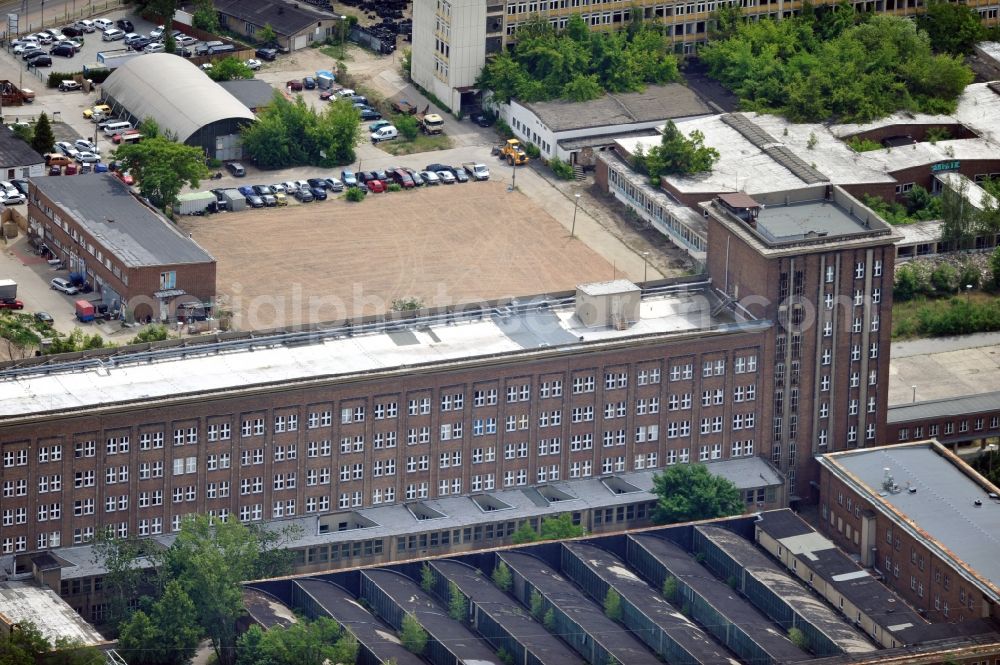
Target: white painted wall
[{"x": 466, "y": 41}]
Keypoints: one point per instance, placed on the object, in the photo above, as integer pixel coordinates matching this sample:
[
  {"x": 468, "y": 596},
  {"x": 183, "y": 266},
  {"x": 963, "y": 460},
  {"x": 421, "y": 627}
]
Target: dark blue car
[
  {"x": 247, "y": 190},
  {"x": 318, "y": 193}
]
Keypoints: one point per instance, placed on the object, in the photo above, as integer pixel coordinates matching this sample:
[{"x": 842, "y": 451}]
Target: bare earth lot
[{"x": 447, "y": 244}]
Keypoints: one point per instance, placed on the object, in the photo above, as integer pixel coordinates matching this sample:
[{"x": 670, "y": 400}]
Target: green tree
[
  {"x": 137, "y": 639},
  {"x": 798, "y": 638},
  {"x": 229, "y": 69},
  {"x": 174, "y": 618},
  {"x": 20, "y": 334},
  {"x": 43, "y": 139},
  {"x": 613, "y": 605},
  {"x": 267, "y": 35},
  {"x": 952, "y": 28},
  {"x": 670, "y": 589},
  {"x": 908, "y": 284},
  {"x": 153, "y": 333},
  {"x": 678, "y": 154},
  {"x": 427, "y": 579},
  {"x": 560, "y": 528},
  {"x": 524, "y": 534},
  {"x": 726, "y": 21},
  {"x": 122, "y": 558},
  {"x": 958, "y": 217},
  {"x": 205, "y": 17},
  {"x": 549, "y": 620},
  {"x": 406, "y": 63},
  {"x": 70, "y": 652},
  {"x": 75, "y": 341},
  {"x": 407, "y": 126},
  {"x": 458, "y": 604},
  {"x": 305, "y": 642},
  {"x": 149, "y": 127},
  {"x": 537, "y": 604},
  {"x": 25, "y": 645},
  {"x": 944, "y": 279},
  {"x": 501, "y": 573},
  {"x": 413, "y": 636},
  {"x": 689, "y": 492},
  {"x": 162, "y": 167}
]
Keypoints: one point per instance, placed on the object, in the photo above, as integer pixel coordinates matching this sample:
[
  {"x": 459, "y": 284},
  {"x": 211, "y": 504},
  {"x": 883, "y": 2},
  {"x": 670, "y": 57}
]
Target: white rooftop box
[{"x": 603, "y": 304}]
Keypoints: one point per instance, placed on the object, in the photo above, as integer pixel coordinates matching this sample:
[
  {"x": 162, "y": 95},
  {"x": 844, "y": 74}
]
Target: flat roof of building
[
  {"x": 943, "y": 368},
  {"x": 546, "y": 647},
  {"x": 267, "y": 610},
  {"x": 22, "y": 602},
  {"x": 973, "y": 193},
  {"x": 919, "y": 233},
  {"x": 944, "y": 408},
  {"x": 799, "y": 220},
  {"x": 106, "y": 209},
  {"x": 655, "y": 103},
  {"x": 559, "y": 591},
  {"x": 934, "y": 498},
  {"x": 542, "y": 326},
  {"x": 755, "y": 562},
  {"x": 856, "y": 584},
  {"x": 365, "y": 626}
]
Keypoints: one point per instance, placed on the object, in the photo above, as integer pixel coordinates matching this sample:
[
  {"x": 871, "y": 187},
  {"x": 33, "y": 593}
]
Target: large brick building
[
  {"x": 137, "y": 261},
  {"x": 922, "y": 518},
  {"x": 776, "y": 354}
]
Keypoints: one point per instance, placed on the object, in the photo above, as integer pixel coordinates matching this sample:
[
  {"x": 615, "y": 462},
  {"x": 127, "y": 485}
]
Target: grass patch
[
  {"x": 933, "y": 317},
  {"x": 337, "y": 52},
  {"x": 423, "y": 143}
]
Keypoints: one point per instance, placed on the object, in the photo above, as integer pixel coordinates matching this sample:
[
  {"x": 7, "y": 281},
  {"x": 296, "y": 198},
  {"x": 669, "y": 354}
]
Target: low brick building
[
  {"x": 139, "y": 263},
  {"x": 921, "y": 517}
]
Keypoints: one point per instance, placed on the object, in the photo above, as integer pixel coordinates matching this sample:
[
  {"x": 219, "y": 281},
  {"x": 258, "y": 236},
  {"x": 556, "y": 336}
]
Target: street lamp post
[
  {"x": 968, "y": 293},
  {"x": 576, "y": 206}
]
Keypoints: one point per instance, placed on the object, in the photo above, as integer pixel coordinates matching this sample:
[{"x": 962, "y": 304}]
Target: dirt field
[{"x": 442, "y": 245}]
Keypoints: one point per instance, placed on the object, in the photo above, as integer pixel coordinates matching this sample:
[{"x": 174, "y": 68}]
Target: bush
[
  {"x": 562, "y": 169},
  {"x": 613, "y": 605},
  {"x": 354, "y": 194},
  {"x": 413, "y": 636},
  {"x": 944, "y": 279},
  {"x": 458, "y": 604},
  {"x": 909, "y": 284},
  {"x": 863, "y": 145},
  {"x": 995, "y": 268},
  {"x": 969, "y": 275},
  {"x": 407, "y": 126},
  {"x": 502, "y": 577},
  {"x": 95, "y": 75},
  {"x": 427, "y": 578},
  {"x": 670, "y": 589},
  {"x": 537, "y": 604},
  {"x": 798, "y": 638},
  {"x": 394, "y": 187},
  {"x": 532, "y": 150},
  {"x": 504, "y": 129}
]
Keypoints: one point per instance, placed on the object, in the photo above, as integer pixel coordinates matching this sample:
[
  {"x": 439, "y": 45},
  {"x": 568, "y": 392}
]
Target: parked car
[
  {"x": 402, "y": 178},
  {"x": 303, "y": 194},
  {"x": 185, "y": 40},
  {"x": 378, "y": 124},
  {"x": 103, "y": 109},
  {"x": 375, "y": 186},
  {"x": 246, "y": 190},
  {"x": 40, "y": 60},
  {"x": 72, "y": 31},
  {"x": 254, "y": 65},
  {"x": 87, "y": 145},
  {"x": 317, "y": 182},
  {"x": 63, "y": 50},
  {"x": 236, "y": 169},
  {"x": 319, "y": 193},
  {"x": 266, "y": 193},
  {"x": 334, "y": 185},
  {"x": 131, "y": 37},
  {"x": 417, "y": 180},
  {"x": 386, "y": 133},
  {"x": 139, "y": 44},
  {"x": 87, "y": 158},
  {"x": 12, "y": 198},
  {"x": 86, "y": 25},
  {"x": 11, "y": 303},
  {"x": 281, "y": 198},
  {"x": 349, "y": 178},
  {"x": 112, "y": 35},
  {"x": 63, "y": 285},
  {"x": 447, "y": 177},
  {"x": 157, "y": 32},
  {"x": 368, "y": 113},
  {"x": 460, "y": 174},
  {"x": 268, "y": 54},
  {"x": 255, "y": 201},
  {"x": 103, "y": 24},
  {"x": 125, "y": 177},
  {"x": 277, "y": 188},
  {"x": 294, "y": 85},
  {"x": 29, "y": 49},
  {"x": 44, "y": 317},
  {"x": 71, "y": 169},
  {"x": 64, "y": 147},
  {"x": 430, "y": 177},
  {"x": 302, "y": 184},
  {"x": 55, "y": 169},
  {"x": 309, "y": 83},
  {"x": 483, "y": 119},
  {"x": 155, "y": 47},
  {"x": 21, "y": 185},
  {"x": 290, "y": 186},
  {"x": 43, "y": 38},
  {"x": 124, "y": 24}
]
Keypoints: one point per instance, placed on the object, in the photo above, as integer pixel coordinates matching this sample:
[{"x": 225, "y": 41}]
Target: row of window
[{"x": 978, "y": 425}]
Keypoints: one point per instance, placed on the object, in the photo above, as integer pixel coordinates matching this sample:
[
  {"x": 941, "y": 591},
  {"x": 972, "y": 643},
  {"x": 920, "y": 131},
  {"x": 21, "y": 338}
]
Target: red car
[
  {"x": 295, "y": 85},
  {"x": 125, "y": 177},
  {"x": 11, "y": 303},
  {"x": 375, "y": 186},
  {"x": 326, "y": 95}
]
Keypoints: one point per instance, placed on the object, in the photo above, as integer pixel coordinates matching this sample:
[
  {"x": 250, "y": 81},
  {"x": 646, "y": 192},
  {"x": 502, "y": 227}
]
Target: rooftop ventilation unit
[{"x": 608, "y": 304}]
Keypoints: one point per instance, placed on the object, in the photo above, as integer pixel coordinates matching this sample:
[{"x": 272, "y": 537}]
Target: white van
[
  {"x": 112, "y": 35},
  {"x": 386, "y": 133},
  {"x": 113, "y": 128}
]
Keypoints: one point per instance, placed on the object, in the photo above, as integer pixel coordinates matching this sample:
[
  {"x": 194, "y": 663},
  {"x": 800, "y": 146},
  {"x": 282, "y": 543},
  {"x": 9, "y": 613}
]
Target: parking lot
[{"x": 440, "y": 245}]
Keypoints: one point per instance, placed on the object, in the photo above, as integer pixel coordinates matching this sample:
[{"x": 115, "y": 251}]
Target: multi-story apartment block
[
  {"x": 775, "y": 354},
  {"x": 453, "y": 38}
]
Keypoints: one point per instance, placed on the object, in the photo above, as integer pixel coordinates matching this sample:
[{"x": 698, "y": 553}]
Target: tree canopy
[
  {"x": 43, "y": 139},
  {"x": 689, "y": 492},
  {"x": 952, "y": 28},
  {"x": 290, "y": 133},
  {"x": 229, "y": 69},
  {"x": 25, "y": 645},
  {"x": 163, "y": 167},
  {"x": 677, "y": 154},
  {"x": 814, "y": 69},
  {"x": 578, "y": 65},
  {"x": 302, "y": 643}
]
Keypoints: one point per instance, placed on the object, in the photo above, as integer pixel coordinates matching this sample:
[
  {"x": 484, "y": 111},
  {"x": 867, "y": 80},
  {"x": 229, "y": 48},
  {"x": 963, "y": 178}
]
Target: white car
[
  {"x": 85, "y": 145},
  {"x": 345, "y": 92},
  {"x": 185, "y": 40},
  {"x": 430, "y": 177},
  {"x": 112, "y": 35},
  {"x": 277, "y": 187},
  {"x": 28, "y": 45},
  {"x": 63, "y": 285},
  {"x": 86, "y": 25},
  {"x": 64, "y": 147},
  {"x": 87, "y": 158},
  {"x": 12, "y": 199},
  {"x": 447, "y": 177},
  {"x": 43, "y": 38},
  {"x": 103, "y": 24},
  {"x": 155, "y": 47},
  {"x": 207, "y": 67},
  {"x": 290, "y": 187},
  {"x": 8, "y": 188},
  {"x": 253, "y": 64},
  {"x": 157, "y": 32}
]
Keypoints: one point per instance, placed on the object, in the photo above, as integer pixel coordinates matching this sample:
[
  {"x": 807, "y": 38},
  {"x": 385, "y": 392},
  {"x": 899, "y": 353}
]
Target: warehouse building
[
  {"x": 295, "y": 26},
  {"x": 183, "y": 101},
  {"x": 18, "y": 159},
  {"x": 923, "y": 519},
  {"x": 546, "y": 604}
]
